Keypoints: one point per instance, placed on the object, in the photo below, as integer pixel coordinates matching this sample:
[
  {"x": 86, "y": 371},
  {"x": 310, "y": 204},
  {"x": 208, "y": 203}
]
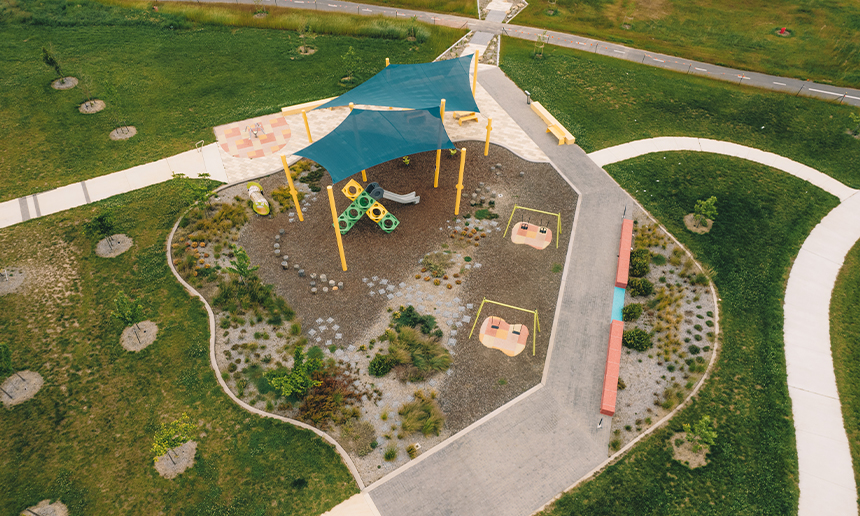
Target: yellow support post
[
  {"x": 509, "y": 221},
  {"x": 460, "y": 180},
  {"x": 351, "y": 105},
  {"x": 336, "y": 227},
  {"x": 387, "y": 62},
  {"x": 489, "y": 128},
  {"x": 307, "y": 127},
  {"x": 439, "y": 151},
  {"x": 475, "y": 75},
  {"x": 477, "y": 316},
  {"x": 293, "y": 193},
  {"x": 364, "y": 175}
]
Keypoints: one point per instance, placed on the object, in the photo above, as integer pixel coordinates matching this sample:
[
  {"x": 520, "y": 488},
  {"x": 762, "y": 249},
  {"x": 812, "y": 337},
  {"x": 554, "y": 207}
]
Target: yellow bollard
[
  {"x": 293, "y": 193},
  {"x": 475, "y": 75},
  {"x": 364, "y": 175},
  {"x": 307, "y": 127},
  {"x": 351, "y": 105},
  {"x": 387, "y": 62},
  {"x": 439, "y": 151},
  {"x": 487, "y": 143},
  {"x": 460, "y": 180},
  {"x": 336, "y": 227}
]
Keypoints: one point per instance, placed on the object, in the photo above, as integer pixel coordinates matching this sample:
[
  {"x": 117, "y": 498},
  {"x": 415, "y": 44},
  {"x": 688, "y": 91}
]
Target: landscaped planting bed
[{"x": 434, "y": 264}]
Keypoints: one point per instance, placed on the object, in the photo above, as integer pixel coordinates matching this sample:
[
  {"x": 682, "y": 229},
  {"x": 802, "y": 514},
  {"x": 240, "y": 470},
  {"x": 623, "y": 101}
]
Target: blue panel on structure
[{"x": 617, "y": 303}]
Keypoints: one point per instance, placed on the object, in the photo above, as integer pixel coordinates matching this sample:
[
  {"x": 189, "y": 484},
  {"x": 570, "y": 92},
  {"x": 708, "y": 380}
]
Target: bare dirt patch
[
  {"x": 694, "y": 226},
  {"x": 46, "y": 508},
  {"x": 123, "y": 133},
  {"x": 20, "y": 387},
  {"x": 139, "y": 337},
  {"x": 10, "y": 280},
  {"x": 176, "y": 461},
  {"x": 66, "y": 83},
  {"x": 306, "y": 51},
  {"x": 91, "y": 106},
  {"x": 114, "y": 245},
  {"x": 684, "y": 453}
]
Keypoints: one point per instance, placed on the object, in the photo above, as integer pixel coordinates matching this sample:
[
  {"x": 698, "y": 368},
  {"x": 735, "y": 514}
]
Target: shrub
[
  {"x": 640, "y": 287},
  {"x": 640, "y": 260},
  {"x": 412, "y": 451},
  {"x": 409, "y": 317},
  {"x": 334, "y": 389},
  {"x": 631, "y": 312},
  {"x": 658, "y": 259},
  {"x": 486, "y": 214},
  {"x": 390, "y": 453},
  {"x": 437, "y": 263},
  {"x": 381, "y": 364},
  {"x": 700, "y": 279},
  {"x": 693, "y": 349},
  {"x": 315, "y": 353},
  {"x": 358, "y": 437},
  {"x": 422, "y": 415},
  {"x": 637, "y": 339},
  {"x": 418, "y": 356}
]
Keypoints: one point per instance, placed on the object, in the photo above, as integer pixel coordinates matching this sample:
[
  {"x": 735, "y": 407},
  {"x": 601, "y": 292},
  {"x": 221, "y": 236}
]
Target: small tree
[
  {"x": 706, "y": 210},
  {"x": 350, "y": 63},
  {"x": 242, "y": 264},
  {"x": 50, "y": 59},
  {"x": 171, "y": 435},
  {"x": 128, "y": 311},
  {"x": 101, "y": 226},
  {"x": 701, "y": 434},
  {"x": 300, "y": 379},
  {"x": 855, "y": 117}
]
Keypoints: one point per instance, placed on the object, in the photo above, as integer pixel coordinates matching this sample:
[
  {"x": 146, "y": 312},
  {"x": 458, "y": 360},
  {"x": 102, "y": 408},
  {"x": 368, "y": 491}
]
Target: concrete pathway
[
  {"x": 518, "y": 458},
  {"x": 827, "y": 484},
  {"x": 759, "y": 80}
]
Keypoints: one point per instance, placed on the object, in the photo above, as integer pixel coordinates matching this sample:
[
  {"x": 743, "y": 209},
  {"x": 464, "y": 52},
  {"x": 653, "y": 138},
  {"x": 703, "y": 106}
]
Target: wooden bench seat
[
  {"x": 553, "y": 126},
  {"x": 464, "y": 116}
]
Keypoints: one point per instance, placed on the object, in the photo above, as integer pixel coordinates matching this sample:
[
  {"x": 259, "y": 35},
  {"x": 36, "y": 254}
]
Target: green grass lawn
[
  {"x": 845, "y": 342},
  {"x": 605, "y": 102},
  {"x": 823, "y": 46},
  {"x": 764, "y": 216},
  {"x": 86, "y": 436},
  {"x": 173, "y": 85}
]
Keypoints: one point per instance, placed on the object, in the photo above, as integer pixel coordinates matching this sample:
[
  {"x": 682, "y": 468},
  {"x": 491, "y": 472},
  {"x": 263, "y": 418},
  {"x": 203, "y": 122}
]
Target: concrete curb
[{"x": 212, "y": 362}]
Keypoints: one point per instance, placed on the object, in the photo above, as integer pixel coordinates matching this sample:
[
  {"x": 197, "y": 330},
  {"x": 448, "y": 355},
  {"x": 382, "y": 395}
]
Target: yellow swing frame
[{"x": 536, "y": 321}]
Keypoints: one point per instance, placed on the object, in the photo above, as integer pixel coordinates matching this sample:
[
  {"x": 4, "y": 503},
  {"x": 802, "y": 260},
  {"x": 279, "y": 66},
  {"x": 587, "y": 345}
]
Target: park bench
[
  {"x": 622, "y": 275},
  {"x": 552, "y": 125},
  {"x": 307, "y": 106},
  {"x": 613, "y": 364}
]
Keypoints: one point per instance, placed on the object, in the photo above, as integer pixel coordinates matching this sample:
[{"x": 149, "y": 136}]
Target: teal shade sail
[
  {"x": 415, "y": 86},
  {"x": 367, "y": 138}
]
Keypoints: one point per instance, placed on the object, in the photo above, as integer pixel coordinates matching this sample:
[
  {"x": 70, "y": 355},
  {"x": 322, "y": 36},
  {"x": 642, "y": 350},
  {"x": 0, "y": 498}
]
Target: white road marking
[
  {"x": 660, "y": 60},
  {"x": 827, "y": 92},
  {"x": 744, "y": 78},
  {"x": 700, "y": 69},
  {"x": 618, "y": 51},
  {"x": 780, "y": 83},
  {"x": 850, "y": 97}
]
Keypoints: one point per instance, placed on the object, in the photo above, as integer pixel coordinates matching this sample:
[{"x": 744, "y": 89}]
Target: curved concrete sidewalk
[{"x": 827, "y": 484}]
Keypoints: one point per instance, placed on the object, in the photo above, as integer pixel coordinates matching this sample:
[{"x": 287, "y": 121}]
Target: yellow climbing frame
[
  {"x": 518, "y": 207},
  {"x": 536, "y": 320}
]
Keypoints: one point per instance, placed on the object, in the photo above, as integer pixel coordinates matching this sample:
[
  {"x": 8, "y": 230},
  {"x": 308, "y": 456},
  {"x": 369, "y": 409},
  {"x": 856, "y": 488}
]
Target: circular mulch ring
[
  {"x": 123, "y": 133},
  {"x": 694, "y": 226},
  {"x": 91, "y": 106},
  {"x": 173, "y": 463},
  {"x": 114, "y": 245},
  {"x": 10, "y": 280},
  {"x": 20, "y": 387},
  {"x": 139, "y": 337},
  {"x": 46, "y": 508},
  {"x": 66, "y": 83}
]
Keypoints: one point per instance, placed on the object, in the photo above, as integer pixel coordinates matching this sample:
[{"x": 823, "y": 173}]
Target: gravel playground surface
[{"x": 382, "y": 271}]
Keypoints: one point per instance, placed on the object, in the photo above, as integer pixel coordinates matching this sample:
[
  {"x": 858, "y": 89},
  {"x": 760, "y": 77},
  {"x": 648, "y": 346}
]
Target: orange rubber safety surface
[{"x": 255, "y": 137}]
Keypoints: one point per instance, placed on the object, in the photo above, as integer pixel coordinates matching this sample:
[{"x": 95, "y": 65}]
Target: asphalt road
[{"x": 850, "y": 96}]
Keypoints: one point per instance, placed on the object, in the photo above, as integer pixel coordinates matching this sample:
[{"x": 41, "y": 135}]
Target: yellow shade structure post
[
  {"x": 351, "y": 105},
  {"x": 387, "y": 62},
  {"x": 489, "y": 128},
  {"x": 293, "y": 193},
  {"x": 307, "y": 127},
  {"x": 475, "y": 75},
  {"x": 336, "y": 227},
  {"x": 460, "y": 180},
  {"x": 364, "y": 175},
  {"x": 439, "y": 151}
]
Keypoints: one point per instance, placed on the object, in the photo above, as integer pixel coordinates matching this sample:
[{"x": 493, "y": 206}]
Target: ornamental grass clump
[{"x": 422, "y": 415}]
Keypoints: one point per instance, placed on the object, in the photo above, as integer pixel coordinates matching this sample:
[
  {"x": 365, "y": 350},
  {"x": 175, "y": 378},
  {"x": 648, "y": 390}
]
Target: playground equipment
[
  {"x": 539, "y": 236},
  {"x": 534, "y": 235},
  {"x": 293, "y": 193},
  {"x": 510, "y": 339},
  {"x": 409, "y": 198},
  {"x": 335, "y": 225},
  {"x": 495, "y": 331},
  {"x": 365, "y": 201},
  {"x": 260, "y": 204}
]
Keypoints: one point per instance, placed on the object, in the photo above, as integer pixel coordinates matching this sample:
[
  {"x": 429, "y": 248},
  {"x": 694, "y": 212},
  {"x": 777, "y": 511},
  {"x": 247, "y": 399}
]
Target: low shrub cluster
[
  {"x": 640, "y": 287},
  {"x": 637, "y": 339},
  {"x": 631, "y": 312},
  {"x": 640, "y": 262},
  {"x": 422, "y": 415},
  {"x": 410, "y": 318}
]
